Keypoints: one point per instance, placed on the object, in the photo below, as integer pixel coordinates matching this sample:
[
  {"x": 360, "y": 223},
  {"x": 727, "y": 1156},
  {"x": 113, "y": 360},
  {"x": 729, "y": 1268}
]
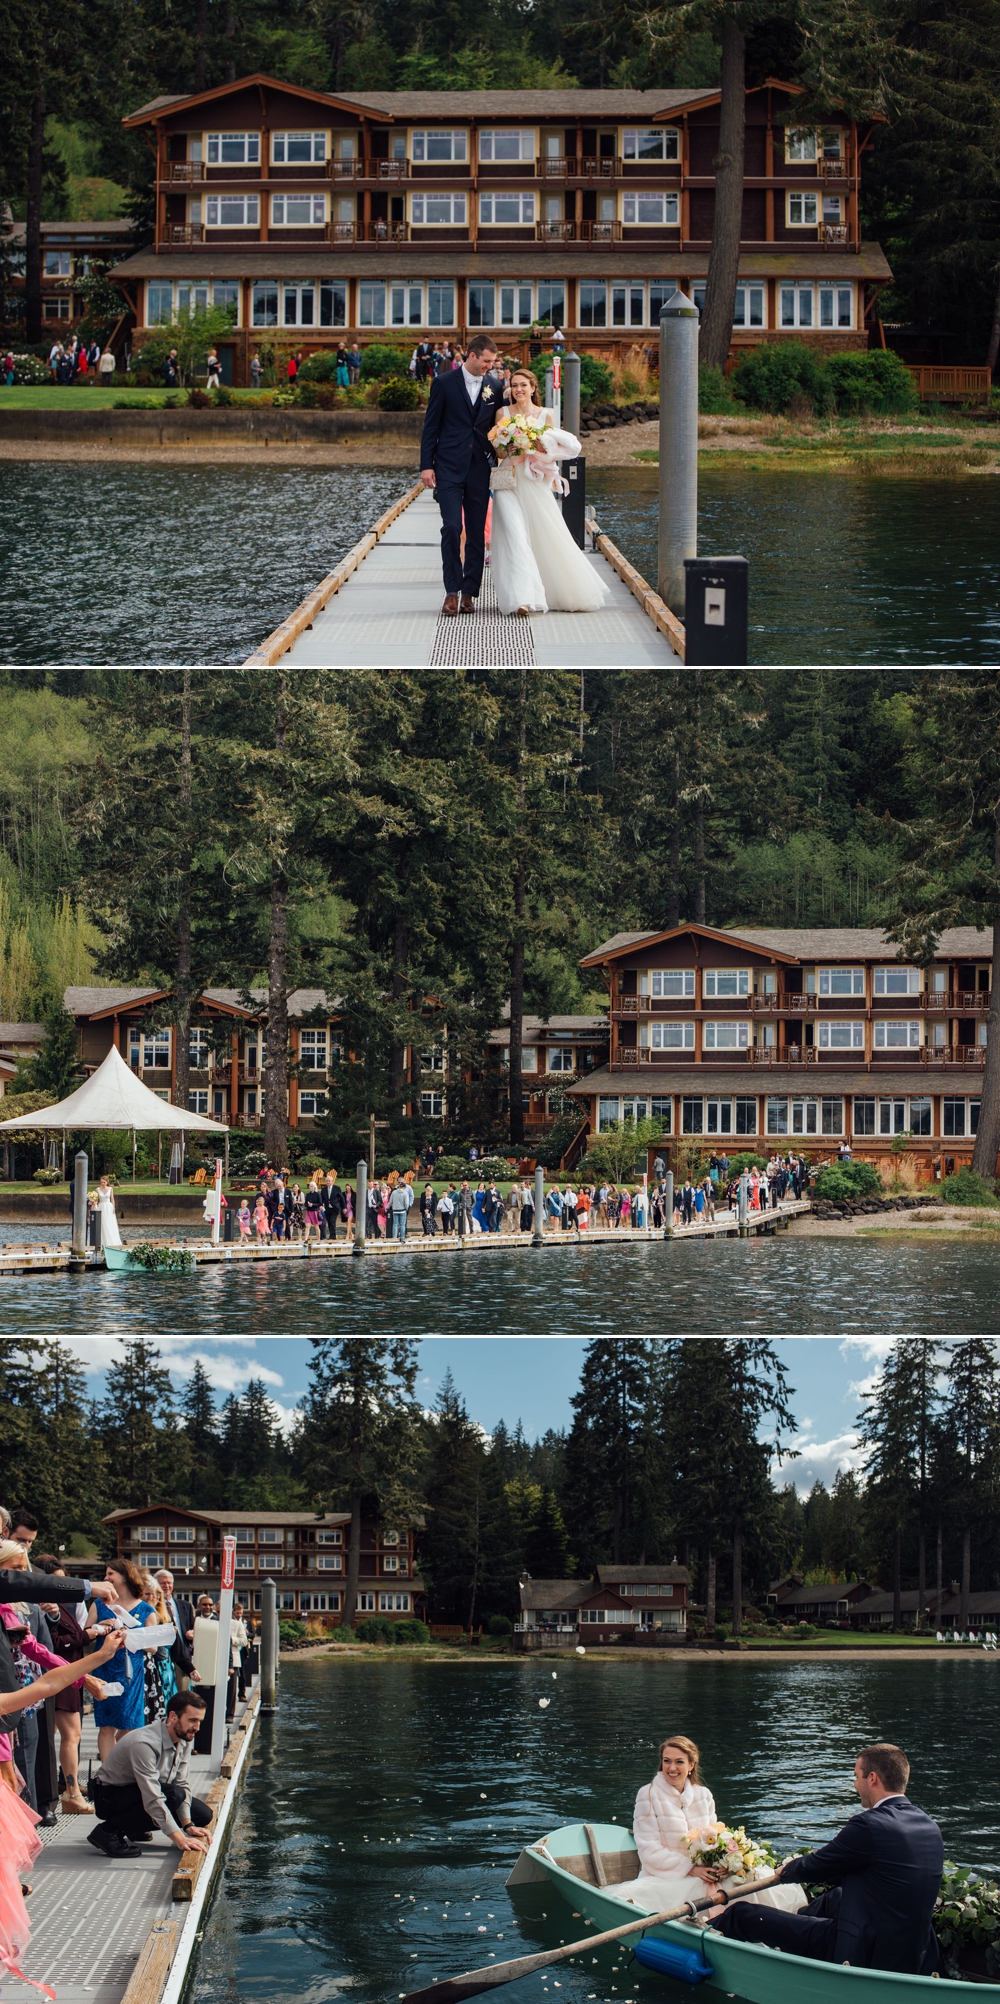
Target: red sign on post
[{"x": 228, "y": 1563}]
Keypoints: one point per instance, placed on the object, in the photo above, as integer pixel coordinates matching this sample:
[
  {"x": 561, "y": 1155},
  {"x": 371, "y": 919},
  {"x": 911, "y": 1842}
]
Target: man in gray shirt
[{"x": 143, "y": 1785}]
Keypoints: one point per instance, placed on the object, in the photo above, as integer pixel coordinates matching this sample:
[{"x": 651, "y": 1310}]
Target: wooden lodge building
[
  {"x": 322, "y": 218},
  {"x": 620, "y": 1604},
  {"x": 794, "y": 1039},
  {"x": 304, "y": 1553}
]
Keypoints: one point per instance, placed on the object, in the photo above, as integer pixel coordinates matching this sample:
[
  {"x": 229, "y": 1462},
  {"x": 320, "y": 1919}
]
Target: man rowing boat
[{"x": 884, "y": 1873}]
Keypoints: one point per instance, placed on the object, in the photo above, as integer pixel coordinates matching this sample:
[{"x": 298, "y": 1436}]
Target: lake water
[
  {"x": 387, "y": 1801},
  {"x": 781, "y": 1285},
  {"x": 150, "y": 564}
]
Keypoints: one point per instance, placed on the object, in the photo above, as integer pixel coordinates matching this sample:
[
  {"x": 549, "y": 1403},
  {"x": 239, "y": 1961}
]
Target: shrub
[
  {"x": 379, "y": 362},
  {"x": 715, "y": 397},
  {"x": 596, "y": 380},
  {"x": 224, "y": 397},
  {"x": 306, "y": 396},
  {"x": 319, "y": 368},
  {"x": 291, "y": 1631},
  {"x": 966, "y": 1187},
  {"x": 199, "y": 400},
  {"x": 326, "y": 396},
  {"x": 412, "y": 1633},
  {"x": 499, "y": 1624},
  {"x": 397, "y": 393},
  {"x": 375, "y": 1628},
  {"x": 842, "y": 1181},
  {"x": 876, "y": 381},
  {"x": 633, "y": 376},
  {"x": 46, "y": 1176},
  {"x": 311, "y": 1161},
  {"x": 737, "y": 1164},
  {"x": 31, "y": 371},
  {"x": 777, "y": 373}
]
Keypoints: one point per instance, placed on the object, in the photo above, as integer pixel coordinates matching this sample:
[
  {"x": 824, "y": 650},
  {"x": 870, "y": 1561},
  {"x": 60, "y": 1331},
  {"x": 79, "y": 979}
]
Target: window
[
  {"x": 229, "y": 212},
  {"x": 366, "y": 1603},
  {"x": 953, "y": 1116},
  {"x": 726, "y": 1036},
  {"x": 805, "y": 1116},
  {"x": 319, "y": 1601},
  {"x": 662, "y": 1110},
  {"x": 842, "y": 981},
  {"x": 803, "y": 209},
  {"x": 296, "y": 211},
  {"x": 407, "y": 306},
  {"x": 777, "y": 1116},
  {"x": 245, "y": 1562},
  {"x": 153, "y": 1534},
  {"x": 264, "y": 306},
  {"x": 332, "y": 304},
  {"x": 800, "y": 144},
  {"x": 269, "y": 1537},
  {"x": 634, "y": 1109},
  {"x": 295, "y": 149},
  {"x": 394, "y": 1603},
  {"x": 438, "y": 209},
  {"x": 897, "y": 980},
  {"x": 149, "y": 1050},
  {"x": 329, "y": 1537},
  {"x": 832, "y": 209},
  {"x": 57, "y": 309},
  {"x": 660, "y": 290},
  {"x": 692, "y": 1117},
  {"x": 974, "y": 1105},
  {"x": 312, "y": 1049},
  {"x": 552, "y": 302},
  {"x": 841, "y": 1036},
  {"x": 191, "y": 299},
  {"x": 628, "y": 305},
  {"x": 671, "y": 1036},
  {"x": 593, "y": 303},
  {"x": 197, "y": 1102},
  {"x": 891, "y": 1116},
  {"x": 832, "y": 1116},
  {"x": 233, "y": 149},
  {"x": 390, "y": 1563},
  {"x": 561, "y": 1060},
  {"x": 432, "y": 1061},
  {"x": 518, "y": 145},
  {"x": 920, "y": 1116},
  {"x": 749, "y": 308},
  {"x": 58, "y": 264},
  {"x": 199, "y": 1049},
  {"x": 440, "y": 145},
  {"x": 159, "y": 303},
  {"x": 722, "y": 981},
  {"x": 671, "y": 984},
  {"x": 795, "y": 306},
  {"x": 897, "y": 1036},
  {"x": 656, "y": 142},
  {"x": 507, "y": 208},
  {"x": 432, "y": 1105},
  {"x": 226, "y": 293},
  {"x": 371, "y": 305},
  {"x": 181, "y": 1534},
  {"x": 330, "y": 1562},
  {"x": 864, "y": 1117},
  {"x": 662, "y": 210},
  {"x": 515, "y": 307},
  {"x": 314, "y": 1104},
  {"x": 746, "y": 1116},
  {"x": 440, "y": 302},
  {"x": 718, "y": 1116},
  {"x": 608, "y": 1112}
]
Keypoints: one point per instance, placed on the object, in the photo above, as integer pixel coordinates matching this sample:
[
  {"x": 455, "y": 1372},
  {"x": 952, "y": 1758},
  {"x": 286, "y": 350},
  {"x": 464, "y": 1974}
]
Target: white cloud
[
  {"x": 819, "y": 1461},
  {"x": 227, "y": 1371}
]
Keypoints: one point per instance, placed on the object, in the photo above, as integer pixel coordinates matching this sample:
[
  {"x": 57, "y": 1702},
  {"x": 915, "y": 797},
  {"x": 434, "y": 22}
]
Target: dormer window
[{"x": 233, "y": 149}]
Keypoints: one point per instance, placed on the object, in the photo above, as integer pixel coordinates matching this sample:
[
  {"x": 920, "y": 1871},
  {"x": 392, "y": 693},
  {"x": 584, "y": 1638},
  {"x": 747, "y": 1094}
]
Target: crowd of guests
[
  {"x": 61, "y": 1637},
  {"x": 75, "y": 361}
]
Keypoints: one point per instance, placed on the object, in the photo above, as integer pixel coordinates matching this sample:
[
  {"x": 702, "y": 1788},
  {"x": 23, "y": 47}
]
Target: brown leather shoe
[
  {"x": 450, "y": 605},
  {"x": 468, "y": 602}
]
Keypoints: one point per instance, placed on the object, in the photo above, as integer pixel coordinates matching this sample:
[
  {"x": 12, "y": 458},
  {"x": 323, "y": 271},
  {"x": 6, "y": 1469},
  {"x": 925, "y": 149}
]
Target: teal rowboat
[{"x": 761, "y": 1975}]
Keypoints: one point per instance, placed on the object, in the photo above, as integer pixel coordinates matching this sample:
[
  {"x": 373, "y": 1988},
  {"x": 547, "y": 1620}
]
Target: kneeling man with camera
[{"x": 143, "y": 1785}]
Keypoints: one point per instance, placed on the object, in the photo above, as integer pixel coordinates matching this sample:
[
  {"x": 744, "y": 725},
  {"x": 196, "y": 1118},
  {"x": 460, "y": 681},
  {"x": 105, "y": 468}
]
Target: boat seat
[{"x": 618, "y": 1866}]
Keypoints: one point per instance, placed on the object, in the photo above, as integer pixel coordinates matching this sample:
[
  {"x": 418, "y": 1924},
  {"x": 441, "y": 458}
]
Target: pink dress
[
  {"x": 19, "y": 1847},
  {"x": 37, "y": 1653}
]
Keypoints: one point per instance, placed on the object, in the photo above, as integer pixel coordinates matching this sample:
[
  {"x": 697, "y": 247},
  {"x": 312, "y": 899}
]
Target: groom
[{"x": 456, "y": 457}]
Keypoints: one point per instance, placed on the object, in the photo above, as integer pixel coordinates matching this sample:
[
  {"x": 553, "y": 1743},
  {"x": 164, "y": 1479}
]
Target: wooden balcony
[
  {"x": 185, "y": 233},
  {"x": 952, "y": 386},
  {"x": 832, "y": 170},
  {"x": 378, "y": 232},
  {"x": 959, "y": 1057},
  {"x": 185, "y": 170},
  {"x": 576, "y": 167},
  {"x": 832, "y": 234},
  {"x": 578, "y": 233},
  {"x": 362, "y": 169}
]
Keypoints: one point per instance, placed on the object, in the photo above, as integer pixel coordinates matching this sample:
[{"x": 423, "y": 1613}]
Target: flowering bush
[
  {"x": 967, "y": 1921},
  {"x": 30, "y": 370},
  {"x": 740, "y": 1856}
]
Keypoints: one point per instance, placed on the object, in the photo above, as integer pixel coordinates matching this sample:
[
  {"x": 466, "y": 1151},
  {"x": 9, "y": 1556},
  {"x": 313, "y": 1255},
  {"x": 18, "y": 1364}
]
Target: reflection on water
[
  {"x": 812, "y": 1286},
  {"x": 385, "y": 1805},
  {"x": 160, "y": 564},
  {"x": 843, "y": 567}
]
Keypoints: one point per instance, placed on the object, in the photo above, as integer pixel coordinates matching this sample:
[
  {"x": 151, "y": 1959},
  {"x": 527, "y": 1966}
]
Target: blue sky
[{"x": 530, "y": 1378}]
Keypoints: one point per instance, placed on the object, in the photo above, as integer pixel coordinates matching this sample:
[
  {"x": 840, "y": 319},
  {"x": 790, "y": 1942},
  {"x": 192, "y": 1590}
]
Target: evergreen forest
[{"x": 677, "y": 1450}]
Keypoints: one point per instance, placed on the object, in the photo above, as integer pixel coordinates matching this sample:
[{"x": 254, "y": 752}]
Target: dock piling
[
  {"x": 80, "y": 1166},
  {"x": 269, "y": 1647},
  {"x": 678, "y": 530},
  {"x": 668, "y": 1204},
  {"x": 361, "y": 1209},
  {"x": 538, "y": 1214},
  {"x": 743, "y": 1205}
]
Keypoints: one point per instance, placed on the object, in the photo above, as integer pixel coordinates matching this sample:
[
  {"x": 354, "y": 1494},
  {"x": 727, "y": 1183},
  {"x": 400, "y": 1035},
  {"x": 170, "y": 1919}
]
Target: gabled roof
[
  {"x": 555, "y": 1593},
  {"x": 270, "y": 1519},
  {"x": 626, "y": 942},
  {"x": 794, "y": 943},
  {"x": 105, "y": 1001},
  {"x": 641, "y": 1575},
  {"x": 157, "y": 106}
]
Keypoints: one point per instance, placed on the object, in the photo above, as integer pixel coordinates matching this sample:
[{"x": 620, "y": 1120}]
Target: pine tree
[
  {"x": 604, "y": 1460},
  {"x": 887, "y": 1426},
  {"x": 846, "y": 1544},
  {"x": 200, "y": 1423},
  {"x": 972, "y": 1418},
  {"x": 546, "y": 1549},
  {"x": 138, "y": 1403},
  {"x": 358, "y": 1434}
]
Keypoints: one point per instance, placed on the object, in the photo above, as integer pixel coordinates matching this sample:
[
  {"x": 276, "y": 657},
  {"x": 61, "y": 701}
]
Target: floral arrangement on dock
[
  {"x": 966, "y": 1921},
  {"x": 739, "y": 1856},
  {"x": 516, "y": 434}
]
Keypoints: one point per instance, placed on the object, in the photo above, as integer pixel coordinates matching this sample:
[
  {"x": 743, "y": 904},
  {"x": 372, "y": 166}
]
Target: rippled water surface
[
  {"x": 125, "y": 563},
  {"x": 813, "y": 1286},
  {"x": 386, "y": 1803}
]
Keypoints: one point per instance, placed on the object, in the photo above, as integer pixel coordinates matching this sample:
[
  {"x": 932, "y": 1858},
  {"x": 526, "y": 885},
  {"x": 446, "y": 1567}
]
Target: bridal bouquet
[
  {"x": 515, "y": 433},
  {"x": 740, "y": 1856}
]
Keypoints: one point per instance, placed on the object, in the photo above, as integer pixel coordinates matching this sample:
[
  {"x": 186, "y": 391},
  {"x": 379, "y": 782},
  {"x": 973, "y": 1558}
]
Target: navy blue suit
[
  {"x": 885, "y": 1866},
  {"x": 456, "y": 444}
]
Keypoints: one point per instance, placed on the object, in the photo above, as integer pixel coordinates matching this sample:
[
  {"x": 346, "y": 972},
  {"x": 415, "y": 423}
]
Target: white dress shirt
[{"x": 473, "y": 384}]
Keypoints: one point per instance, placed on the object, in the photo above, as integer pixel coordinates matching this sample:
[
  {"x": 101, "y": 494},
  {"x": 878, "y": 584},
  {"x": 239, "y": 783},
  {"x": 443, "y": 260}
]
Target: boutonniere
[{"x": 487, "y": 394}]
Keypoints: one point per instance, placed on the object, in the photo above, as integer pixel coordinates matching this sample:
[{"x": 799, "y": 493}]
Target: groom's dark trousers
[
  {"x": 884, "y": 1870},
  {"x": 455, "y": 443}
]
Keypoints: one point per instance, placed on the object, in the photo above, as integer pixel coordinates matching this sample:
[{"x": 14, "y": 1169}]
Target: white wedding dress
[
  {"x": 534, "y": 561},
  {"x": 110, "y": 1235}
]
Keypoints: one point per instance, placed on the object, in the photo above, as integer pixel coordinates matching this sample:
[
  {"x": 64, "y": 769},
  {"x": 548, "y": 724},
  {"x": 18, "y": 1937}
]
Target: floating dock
[
  {"x": 123, "y": 1930},
  {"x": 23, "y": 1259},
  {"x": 381, "y": 608}
]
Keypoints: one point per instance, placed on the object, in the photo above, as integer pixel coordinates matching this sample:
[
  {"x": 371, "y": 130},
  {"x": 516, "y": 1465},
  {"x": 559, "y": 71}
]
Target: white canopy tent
[{"x": 113, "y": 1097}]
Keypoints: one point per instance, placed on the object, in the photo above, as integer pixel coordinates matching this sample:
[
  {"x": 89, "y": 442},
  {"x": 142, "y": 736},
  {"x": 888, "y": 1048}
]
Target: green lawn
[{"x": 67, "y": 397}]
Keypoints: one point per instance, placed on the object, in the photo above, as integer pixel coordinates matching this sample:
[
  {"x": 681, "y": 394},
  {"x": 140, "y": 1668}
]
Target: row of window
[
  {"x": 189, "y": 1534},
  {"x": 887, "y": 1035},
  {"x": 510, "y": 144},
  {"x": 149, "y": 1050},
  {"x": 721, "y": 982},
  {"x": 511, "y": 208},
  {"x": 795, "y": 1114}
]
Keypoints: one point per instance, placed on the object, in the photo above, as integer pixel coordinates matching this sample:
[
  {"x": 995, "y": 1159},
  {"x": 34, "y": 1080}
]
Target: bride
[
  {"x": 534, "y": 563},
  {"x": 110, "y": 1235},
  {"x": 667, "y": 1809}
]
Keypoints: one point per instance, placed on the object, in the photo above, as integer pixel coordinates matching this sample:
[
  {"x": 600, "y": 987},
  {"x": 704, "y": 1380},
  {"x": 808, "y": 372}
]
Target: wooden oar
[{"x": 454, "y": 1988}]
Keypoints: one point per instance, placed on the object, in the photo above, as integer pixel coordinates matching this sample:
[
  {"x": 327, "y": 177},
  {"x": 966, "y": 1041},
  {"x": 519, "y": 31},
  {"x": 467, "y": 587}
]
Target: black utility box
[
  {"x": 716, "y": 595},
  {"x": 574, "y": 504}
]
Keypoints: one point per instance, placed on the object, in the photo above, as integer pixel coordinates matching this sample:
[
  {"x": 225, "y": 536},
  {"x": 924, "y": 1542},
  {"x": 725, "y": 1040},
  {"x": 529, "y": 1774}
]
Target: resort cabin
[
  {"x": 551, "y": 1048},
  {"x": 791, "y": 1601},
  {"x": 320, "y": 217},
  {"x": 621, "y": 1604},
  {"x": 305, "y": 1553},
  {"x": 804, "y": 1039},
  {"x": 18, "y": 1043},
  {"x": 70, "y": 252}
]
